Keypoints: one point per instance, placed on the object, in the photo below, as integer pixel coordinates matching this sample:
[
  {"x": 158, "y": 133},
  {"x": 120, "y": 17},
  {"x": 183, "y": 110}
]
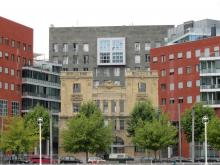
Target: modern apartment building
[
  {"x": 41, "y": 85},
  {"x": 188, "y": 73},
  {"x": 115, "y": 102},
  {"x": 193, "y": 30},
  {"x": 16, "y": 50}
]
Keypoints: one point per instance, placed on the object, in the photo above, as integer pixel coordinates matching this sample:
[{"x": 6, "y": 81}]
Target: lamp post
[
  {"x": 40, "y": 121},
  {"x": 205, "y": 120}
]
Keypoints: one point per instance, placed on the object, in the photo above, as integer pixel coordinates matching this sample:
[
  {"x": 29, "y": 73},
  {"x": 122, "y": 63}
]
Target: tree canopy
[
  {"x": 143, "y": 111},
  {"x": 86, "y": 132},
  {"x": 213, "y": 132},
  {"x": 156, "y": 134},
  {"x": 18, "y": 138},
  {"x": 186, "y": 121},
  {"x": 32, "y": 117}
]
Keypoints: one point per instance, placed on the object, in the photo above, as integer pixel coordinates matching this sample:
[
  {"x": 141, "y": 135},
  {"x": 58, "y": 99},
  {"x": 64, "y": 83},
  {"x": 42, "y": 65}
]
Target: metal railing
[{"x": 40, "y": 82}]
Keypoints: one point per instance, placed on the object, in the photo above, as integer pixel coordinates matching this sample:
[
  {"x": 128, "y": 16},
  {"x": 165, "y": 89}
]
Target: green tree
[
  {"x": 18, "y": 138},
  {"x": 86, "y": 132},
  {"x": 186, "y": 121},
  {"x": 32, "y": 116},
  {"x": 156, "y": 134},
  {"x": 143, "y": 111},
  {"x": 213, "y": 132}
]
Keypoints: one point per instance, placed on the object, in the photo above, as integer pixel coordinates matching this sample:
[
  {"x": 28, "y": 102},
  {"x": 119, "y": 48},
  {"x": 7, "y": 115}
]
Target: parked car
[
  {"x": 69, "y": 159},
  {"x": 19, "y": 161},
  {"x": 45, "y": 159},
  {"x": 177, "y": 159},
  {"x": 96, "y": 160},
  {"x": 120, "y": 157}
]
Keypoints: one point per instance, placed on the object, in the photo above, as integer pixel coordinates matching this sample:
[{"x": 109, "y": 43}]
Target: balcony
[
  {"x": 210, "y": 72},
  {"x": 40, "y": 96},
  {"x": 40, "y": 82},
  {"x": 212, "y": 103},
  {"x": 210, "y": 88}
]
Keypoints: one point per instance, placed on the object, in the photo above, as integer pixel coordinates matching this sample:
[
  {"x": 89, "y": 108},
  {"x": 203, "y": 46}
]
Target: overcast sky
[{"x": 40, "y": 14}]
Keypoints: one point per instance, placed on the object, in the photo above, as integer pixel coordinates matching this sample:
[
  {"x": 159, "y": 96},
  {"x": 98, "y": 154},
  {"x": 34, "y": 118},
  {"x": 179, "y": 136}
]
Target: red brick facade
[
  {"x": 16, "y": 50},
  {"x": 181, "y": 82}
]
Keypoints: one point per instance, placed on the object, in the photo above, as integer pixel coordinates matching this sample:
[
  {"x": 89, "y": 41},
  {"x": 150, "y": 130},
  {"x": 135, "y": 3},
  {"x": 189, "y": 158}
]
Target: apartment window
[
  {"x": 147, "y": 46},
  {"x": 65, "y": 60},
  {"x": 180, "y": 55},
  {"x": 189, "y": 99},
  {"x": 137, "y": 46},
  {"x": 13, "y": 43},
  {"x": 6, "y": 41},
  {"x": 163, "y": 58},
  {"x": 12, "y": 57},
  {"x": 188, "y": 54},
  {"x": 24, "y": 46},
  {"x": 198, "y": 98},
  {"x": 105, "y": 106},
  {"x": 6, "y": 70},
  {"x": 113, "y": 102},
  {"x": 121, "y": 105},
  {"x": 163, "y": 73},
  {"x": 147, "y": 58},
  {"x": 197, "y": 67},
  {"x": 85, "y": 69},
  {"x": 24, "y": 61},
  {"x": 180, "y": 70},
  {"x": 29, "y": 48},
  {"x": 55, "y": 48},
  {"x": 163, "y": 87},
  {"x": 189, "y": 84},
  {"x": 197, "y": 53},
  {"x": 18, "y": 59},
  {"x": 137, "y": 59},
  {"x": 76, "y": 88},
  {"x": 198, "y": 83},
  {"x": 180, "y": 85},
  {"x": 141, "y": 87},
  {"x": 75, "y": 47},
  {"x": 96, "y": 83},
  {"x": 116, "y": 71},
  {"x": 76, "y": 107},
  {"x": 154, "y": 59},
  {"x": 163, "y": 101},
  {"x": 86, "y": 59},
  {"x": 75, "y": 69},
  {"x": 171, "y": 86},
  {"x": 3, "y": 107},
  {"x": 0, "y": 69},
  {"x": 15, "y": 108},
  {"x": 188, "y": 69},
  {"x": 207, "y": 52},
  {"x": 122, "y": 124},
  {"x": 75, "y": 59},
  {"x": 85, "y": 47},
  {"x": 216, "y": 51},
  {"x": 6, "y": 86},
  {"x": 12, "y": 72},
  {"x": 0, "y": 54},
  {"x": 6, "y": 55},
  {"x": 106, "y": 72},
  {"x": 172, "y": 100},
  {"x": 12, "y": 87},
  {"x": 172, "y": 71},
  {"x": 1, "y": 40},
  {"x": 65, "y": 47},
  {"x": 171, "y": 57},
  {"x": 0, "y": 85}
]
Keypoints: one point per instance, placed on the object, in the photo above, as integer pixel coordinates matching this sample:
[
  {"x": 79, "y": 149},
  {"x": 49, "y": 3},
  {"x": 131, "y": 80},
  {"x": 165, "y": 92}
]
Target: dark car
[
  {"x": 19, "y": 161},
  {"x": 69, "y": 159}
]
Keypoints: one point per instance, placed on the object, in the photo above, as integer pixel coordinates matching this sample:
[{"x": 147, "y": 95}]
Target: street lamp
[
  {"x": 205, "y": 120},
  {"x": 40, "y": 121}
]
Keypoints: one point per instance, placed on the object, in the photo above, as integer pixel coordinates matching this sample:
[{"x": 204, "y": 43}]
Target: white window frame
[{"x": 188, "y": 54}]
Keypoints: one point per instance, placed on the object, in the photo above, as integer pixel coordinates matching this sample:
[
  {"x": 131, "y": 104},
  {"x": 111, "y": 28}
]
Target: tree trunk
[
  {"x": 87, "y": 153},
  {"x": 155, "y": 154}
]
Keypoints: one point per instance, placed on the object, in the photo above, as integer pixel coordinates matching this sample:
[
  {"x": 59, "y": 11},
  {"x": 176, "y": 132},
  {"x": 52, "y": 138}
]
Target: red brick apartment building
[
  {"x": 188, "y": 73},
  {"x": 16, "y": 50}
]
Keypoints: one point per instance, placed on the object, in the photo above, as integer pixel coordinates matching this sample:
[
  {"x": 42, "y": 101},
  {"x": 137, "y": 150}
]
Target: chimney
[{"x": 213, "y": 30}]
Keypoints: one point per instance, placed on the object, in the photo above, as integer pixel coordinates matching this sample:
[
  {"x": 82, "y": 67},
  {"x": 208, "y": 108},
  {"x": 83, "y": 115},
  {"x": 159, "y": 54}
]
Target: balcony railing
[
  {"x": 212, "y": 86},
  {"x": 211, "y": 102},
  {"x": 40, "y": 82},
  {"x": 40, "y": 95},
  {"x": 209, "y": 71}
]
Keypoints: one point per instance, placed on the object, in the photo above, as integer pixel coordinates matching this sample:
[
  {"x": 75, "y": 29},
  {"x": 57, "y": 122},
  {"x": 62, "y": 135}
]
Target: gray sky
[{"x": 40, "y": 14}]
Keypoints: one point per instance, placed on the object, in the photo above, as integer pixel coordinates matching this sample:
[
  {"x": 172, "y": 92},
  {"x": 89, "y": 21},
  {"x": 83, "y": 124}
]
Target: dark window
[
  {"x": 121, "y": 104},
  {"x": 76, "y": 88},
  {"x": 141, "y": 87},
  {"x": 76, "y": 107},
  {"x": 86, "y": 59},
  {"x": 122, "y": 124}
]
